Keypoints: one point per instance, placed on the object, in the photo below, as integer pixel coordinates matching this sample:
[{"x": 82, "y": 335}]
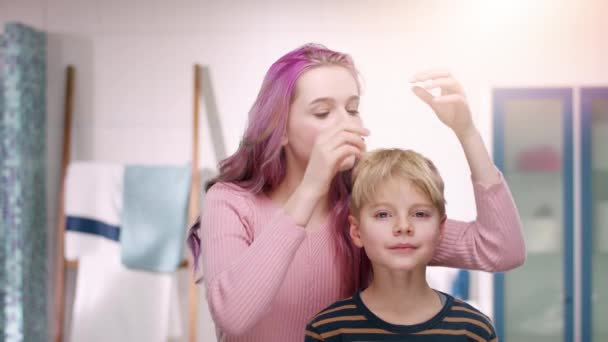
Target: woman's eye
[
  {"x": 353, "y": 112},
  {"x": 322, "y": 115}
]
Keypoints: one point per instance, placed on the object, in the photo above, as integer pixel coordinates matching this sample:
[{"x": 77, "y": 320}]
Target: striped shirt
[{"x": 351, "y": 320}]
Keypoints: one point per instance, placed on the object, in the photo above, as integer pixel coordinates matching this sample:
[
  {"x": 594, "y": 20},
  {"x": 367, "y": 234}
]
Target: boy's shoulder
[
  {"x": 460, "y": 305},
  {"x": 346, "y": 306},
  {"x": 325, "y": 320},
  {"x": 466, "y": 317}
]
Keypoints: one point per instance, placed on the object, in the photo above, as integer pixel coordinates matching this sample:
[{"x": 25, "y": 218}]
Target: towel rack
[{"x": 193, "y": 206}]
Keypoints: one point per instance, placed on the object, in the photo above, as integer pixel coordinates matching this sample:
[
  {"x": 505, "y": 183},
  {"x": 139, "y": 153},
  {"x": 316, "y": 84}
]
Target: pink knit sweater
[{"x": 266, "y": 276}]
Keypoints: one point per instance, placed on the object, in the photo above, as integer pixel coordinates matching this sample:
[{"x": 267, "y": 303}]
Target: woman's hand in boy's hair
[{"x": 335, "y": 150}]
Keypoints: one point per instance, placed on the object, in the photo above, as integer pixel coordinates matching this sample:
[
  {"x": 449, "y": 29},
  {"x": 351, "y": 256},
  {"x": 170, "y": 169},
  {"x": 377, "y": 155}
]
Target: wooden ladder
[{"x": 61, "y": 264}]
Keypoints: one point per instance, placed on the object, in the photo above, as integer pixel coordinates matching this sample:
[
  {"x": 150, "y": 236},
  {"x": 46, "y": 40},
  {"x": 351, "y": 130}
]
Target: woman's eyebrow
[{"x": 321, "y": 99}]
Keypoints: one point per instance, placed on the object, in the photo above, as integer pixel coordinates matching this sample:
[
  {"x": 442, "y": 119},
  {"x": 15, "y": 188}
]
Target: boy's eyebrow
[
  {"x": 373, "y": 204},
  {"x": 387, "y": 204},
  {"x": 423, "y": 205}
]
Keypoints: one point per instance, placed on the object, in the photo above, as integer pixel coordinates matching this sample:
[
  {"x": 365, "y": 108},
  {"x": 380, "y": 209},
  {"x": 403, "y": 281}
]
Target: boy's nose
[{"x": 403, "y": 227}]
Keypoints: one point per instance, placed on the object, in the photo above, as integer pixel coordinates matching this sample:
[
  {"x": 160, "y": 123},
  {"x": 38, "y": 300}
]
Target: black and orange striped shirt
[{"x": 351, "y": 320}]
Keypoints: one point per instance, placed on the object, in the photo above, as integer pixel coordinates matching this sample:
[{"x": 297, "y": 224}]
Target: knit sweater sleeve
[
  {"x": 493, "y": 242},
  {"x": 243, "y": 274}
]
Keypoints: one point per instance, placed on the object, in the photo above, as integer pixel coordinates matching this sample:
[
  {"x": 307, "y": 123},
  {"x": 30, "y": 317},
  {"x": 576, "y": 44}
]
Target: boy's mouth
[{"x": 403, "y": 246}]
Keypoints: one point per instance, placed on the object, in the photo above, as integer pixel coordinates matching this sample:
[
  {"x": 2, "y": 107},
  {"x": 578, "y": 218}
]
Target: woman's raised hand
[{"x": 451, "y": 105}]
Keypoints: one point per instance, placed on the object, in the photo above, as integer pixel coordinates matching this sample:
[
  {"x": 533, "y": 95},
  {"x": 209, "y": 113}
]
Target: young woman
[{"x": 274, "y": 233}]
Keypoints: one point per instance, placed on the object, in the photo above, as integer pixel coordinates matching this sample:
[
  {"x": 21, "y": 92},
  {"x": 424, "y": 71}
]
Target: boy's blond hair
[{"x": 381, "y": 166}]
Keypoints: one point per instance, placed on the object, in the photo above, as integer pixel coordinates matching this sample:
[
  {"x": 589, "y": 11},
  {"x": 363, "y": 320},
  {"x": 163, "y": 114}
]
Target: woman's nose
[{"x": 348, "y": 117}]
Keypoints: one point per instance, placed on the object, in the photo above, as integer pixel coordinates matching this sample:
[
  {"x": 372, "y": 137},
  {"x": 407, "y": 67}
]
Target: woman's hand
[
  {"x": 335, "y": 150},
  {"x": 453, "y": 110},
  {"x": 451, "y": 105}
]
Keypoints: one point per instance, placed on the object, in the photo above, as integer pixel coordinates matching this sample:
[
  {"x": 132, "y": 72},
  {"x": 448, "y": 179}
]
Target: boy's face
[{"x": 399, "y": 229}]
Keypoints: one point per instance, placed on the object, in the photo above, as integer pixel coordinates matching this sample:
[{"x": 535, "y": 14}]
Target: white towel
[
  {"x": 93, "y": 191},
  {"x": 112, "y": 302}
]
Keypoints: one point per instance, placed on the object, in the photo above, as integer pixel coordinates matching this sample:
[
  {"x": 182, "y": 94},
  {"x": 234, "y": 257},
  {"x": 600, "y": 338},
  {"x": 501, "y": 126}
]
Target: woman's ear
[
  {"x": 284, "y": 140},
  {"x": 355, "y": 233}
]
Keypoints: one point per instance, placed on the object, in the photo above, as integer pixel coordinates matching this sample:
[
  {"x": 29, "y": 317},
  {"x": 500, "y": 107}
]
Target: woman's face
[{"x": 323, "y": 97}]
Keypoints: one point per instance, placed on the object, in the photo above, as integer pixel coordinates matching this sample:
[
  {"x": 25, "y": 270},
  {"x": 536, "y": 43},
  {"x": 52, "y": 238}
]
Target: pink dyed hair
[{"x": 259, "y": 164}]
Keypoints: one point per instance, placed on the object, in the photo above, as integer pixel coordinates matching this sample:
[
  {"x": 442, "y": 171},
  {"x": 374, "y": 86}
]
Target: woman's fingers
[
  {"x": 451, "y": 98},
  {"x": 345, "y": 151},
  {"x": 346, "y": 138},
  {"x": 362, "y": 131},
  {"x": 330, "y": 151},
  {"x": 430, "y": 75},
  {"x": 329, "y": 133},
  {"x": 423, "y": 94},
  {"x": 448, "y": 84}
]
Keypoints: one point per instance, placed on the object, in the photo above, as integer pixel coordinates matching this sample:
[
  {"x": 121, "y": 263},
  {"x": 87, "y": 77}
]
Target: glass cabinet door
[
  {"x": 594, "y": 157},
  {"x": 533, "y": 148}
]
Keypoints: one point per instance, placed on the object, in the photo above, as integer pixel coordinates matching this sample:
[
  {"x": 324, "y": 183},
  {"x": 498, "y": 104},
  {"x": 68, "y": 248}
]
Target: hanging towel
[
  {"x": 154, "y": 217},
  {"x": 112, "y": 302},
  {"x": 93, "y": 204}
]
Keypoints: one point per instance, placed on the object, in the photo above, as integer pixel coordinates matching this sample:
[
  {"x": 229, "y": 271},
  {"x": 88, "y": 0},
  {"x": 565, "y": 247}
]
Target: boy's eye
[
  {"x": 421, "y": 214},
  {"x": 381, "y": 215}
]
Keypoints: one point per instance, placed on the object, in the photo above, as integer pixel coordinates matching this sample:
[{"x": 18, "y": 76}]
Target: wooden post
[
  {"x": 60, "y": 263},
  {"x": 193, "y": 210}
]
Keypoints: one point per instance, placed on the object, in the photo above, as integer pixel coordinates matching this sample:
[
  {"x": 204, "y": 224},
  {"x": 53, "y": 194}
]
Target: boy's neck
[{"x": 402, "y": 297}]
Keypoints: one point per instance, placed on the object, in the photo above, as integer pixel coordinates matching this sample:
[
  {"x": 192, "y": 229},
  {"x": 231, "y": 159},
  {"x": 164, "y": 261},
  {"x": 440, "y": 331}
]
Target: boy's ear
[
  {"x": 442, "y": 227},
  {"x": 355, "y": 233}
]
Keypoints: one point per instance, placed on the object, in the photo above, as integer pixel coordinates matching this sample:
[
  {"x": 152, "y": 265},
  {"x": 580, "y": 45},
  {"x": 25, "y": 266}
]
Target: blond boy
[{"x": 397, "y": 217}]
